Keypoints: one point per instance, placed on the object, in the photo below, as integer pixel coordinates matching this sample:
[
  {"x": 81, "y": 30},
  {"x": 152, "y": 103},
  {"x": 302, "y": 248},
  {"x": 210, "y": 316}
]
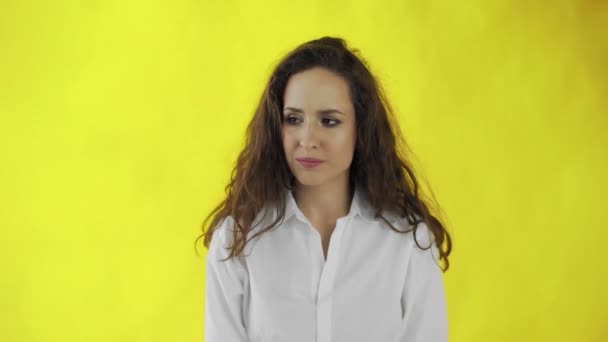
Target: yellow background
[{"x": 120, "y": 121}]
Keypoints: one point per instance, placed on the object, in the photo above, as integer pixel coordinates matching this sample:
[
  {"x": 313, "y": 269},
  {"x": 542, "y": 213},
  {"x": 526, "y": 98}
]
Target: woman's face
[{"x": 318, "y": 122}]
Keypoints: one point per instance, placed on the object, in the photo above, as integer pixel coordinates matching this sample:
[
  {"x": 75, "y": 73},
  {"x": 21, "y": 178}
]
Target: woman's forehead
[{"x": 317, "y": 89}]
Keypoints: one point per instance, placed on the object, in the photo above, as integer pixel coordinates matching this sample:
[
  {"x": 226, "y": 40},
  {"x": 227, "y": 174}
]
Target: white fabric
[{"x": 375, "y": 286}]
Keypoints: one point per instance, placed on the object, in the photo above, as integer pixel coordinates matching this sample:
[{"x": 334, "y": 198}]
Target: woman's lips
[{"x": 309, "y": 163}]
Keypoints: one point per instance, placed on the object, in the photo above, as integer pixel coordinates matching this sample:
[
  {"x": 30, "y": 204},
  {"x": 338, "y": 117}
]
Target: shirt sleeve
[
  {"x": 423, "y": 297},
  {"x": 224, "y": 290}
]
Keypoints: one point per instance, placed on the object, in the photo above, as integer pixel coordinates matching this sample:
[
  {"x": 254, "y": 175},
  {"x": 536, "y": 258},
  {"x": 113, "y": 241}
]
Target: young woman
[{"x": 323, "y": 235}]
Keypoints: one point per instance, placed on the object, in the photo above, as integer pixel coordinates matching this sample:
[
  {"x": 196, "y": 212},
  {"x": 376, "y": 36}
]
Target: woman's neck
[{"x": 326, "y": 203}]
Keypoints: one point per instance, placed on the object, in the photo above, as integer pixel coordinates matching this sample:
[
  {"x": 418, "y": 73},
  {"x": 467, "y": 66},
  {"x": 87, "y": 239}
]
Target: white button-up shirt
[{"x": 376, "y": 285}]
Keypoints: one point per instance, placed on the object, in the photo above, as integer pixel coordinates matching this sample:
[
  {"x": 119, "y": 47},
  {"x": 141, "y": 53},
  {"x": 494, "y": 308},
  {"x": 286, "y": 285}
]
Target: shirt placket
[{"x": 323, "y": 279}]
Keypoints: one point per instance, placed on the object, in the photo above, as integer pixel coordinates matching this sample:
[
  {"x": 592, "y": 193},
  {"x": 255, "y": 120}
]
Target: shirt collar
[{"x": 359, "y": 206}]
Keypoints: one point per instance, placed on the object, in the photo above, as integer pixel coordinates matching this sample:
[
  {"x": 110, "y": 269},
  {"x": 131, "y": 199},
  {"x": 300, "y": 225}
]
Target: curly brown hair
[{"x": 379, "y": 164}]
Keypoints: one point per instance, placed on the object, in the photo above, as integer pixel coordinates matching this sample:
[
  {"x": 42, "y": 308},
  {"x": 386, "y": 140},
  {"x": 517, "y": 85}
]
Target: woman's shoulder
[
  {"x": 226, "y": 229},
  {"x": 227, "y": 226},
  {"x": 411, "y": 232},
  {"x": 222, "y": 234}
]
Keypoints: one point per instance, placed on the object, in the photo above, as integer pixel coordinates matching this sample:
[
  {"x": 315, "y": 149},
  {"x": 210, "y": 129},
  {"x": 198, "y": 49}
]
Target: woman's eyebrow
[{"x": 321, "y": 112}]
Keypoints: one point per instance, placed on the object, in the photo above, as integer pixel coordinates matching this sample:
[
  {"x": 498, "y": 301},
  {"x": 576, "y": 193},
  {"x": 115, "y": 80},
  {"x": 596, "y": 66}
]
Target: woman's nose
[{"x": 308, "y": 136}]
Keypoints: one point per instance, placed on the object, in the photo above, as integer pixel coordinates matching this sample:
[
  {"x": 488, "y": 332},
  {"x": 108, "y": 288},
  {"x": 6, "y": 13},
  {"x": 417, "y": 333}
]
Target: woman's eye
[
  {"x": 291, "y": 119},
  {"x": 331, "y": 122}
]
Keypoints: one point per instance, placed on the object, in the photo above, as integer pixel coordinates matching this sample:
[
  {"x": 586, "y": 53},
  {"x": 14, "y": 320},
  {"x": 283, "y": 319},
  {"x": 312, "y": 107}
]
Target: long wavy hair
[{"x": 379, "y": 166}]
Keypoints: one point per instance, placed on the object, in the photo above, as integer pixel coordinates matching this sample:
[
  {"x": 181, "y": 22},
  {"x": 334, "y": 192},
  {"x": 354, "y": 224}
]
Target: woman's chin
[{"x": 310, "y": 181}]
